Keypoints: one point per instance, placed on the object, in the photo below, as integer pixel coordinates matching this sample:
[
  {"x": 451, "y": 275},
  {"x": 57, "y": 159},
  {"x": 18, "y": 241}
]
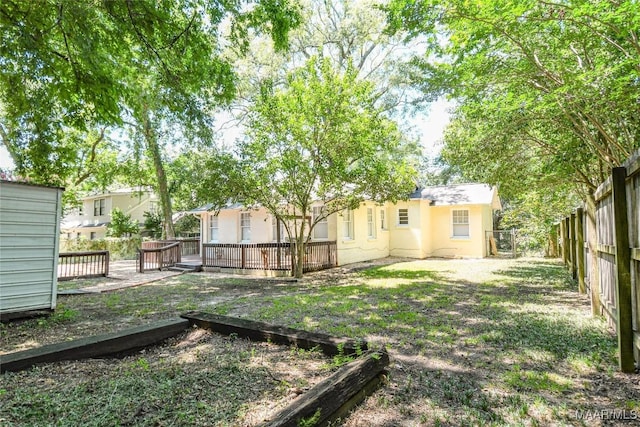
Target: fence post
[
  {"x": 623, "y": 269},
  {"x": 140, "y": 261},
  {"x": 582, "y": 288},
  {"x": 572, "y": 233},
  {"x": 565, "y": 241},
  {"x": 106, "y": 261}
]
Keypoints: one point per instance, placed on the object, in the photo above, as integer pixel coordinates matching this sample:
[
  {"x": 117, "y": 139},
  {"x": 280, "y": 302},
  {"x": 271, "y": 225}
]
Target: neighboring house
[
  {"x": 29, "y": 232},
  {"x": 446, "y": 221},
  {"x": 90, "y": 219}
]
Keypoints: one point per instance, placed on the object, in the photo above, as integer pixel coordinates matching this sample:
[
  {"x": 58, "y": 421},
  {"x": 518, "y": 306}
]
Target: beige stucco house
[
  {"x": 446, "y": 221},
  {"x": 90, "y": 219}
]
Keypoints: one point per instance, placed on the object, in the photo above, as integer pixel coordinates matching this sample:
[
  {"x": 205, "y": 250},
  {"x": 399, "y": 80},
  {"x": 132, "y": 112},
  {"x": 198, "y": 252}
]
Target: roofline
[{"x": 31, "y": 184}]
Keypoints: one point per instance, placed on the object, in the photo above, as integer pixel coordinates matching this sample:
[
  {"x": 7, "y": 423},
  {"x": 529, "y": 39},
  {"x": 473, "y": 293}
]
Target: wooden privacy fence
[
  {"x": 158, "y": 257},
  {"x": 76, "y": 265},
  {"x": 614, "y": 263},
  {"x": 268, "y": 256}
]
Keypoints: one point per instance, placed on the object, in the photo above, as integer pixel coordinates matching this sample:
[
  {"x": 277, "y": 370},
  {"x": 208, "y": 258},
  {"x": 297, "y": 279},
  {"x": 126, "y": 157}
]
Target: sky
[{"x": 429, "y": 125}]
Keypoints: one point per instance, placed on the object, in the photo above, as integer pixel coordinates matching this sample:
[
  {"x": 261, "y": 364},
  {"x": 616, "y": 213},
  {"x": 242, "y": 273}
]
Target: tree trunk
[
  {"x": 162, "y": 188},
  {"x": 300, "y": 247}
]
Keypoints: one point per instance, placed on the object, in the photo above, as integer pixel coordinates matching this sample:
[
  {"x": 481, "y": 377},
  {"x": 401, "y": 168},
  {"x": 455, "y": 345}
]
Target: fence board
[
  {"x": 624, "y": 325},
  {"x": 616, "y": 259}
]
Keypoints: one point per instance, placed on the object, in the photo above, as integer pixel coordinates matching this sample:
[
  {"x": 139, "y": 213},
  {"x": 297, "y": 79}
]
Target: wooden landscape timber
[
  {"x": 95, "y": 346},
  {"x": 334, "y": 397},
  {"x": 259, "y": 331},
  {"x": 329, "y": 400}
]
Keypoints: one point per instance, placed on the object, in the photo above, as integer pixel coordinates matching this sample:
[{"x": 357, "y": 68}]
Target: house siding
[
  {"x": 29, "y": 232},
  {"x": 134, "y": 204},
  {"x": 362, "y": 247},
  {"x": 405, "y": 240},
  {"x": 443, "y": 242}
]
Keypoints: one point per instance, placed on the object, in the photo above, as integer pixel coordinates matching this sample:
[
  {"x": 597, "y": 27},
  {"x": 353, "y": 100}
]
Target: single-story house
[{"x": 443, "y": 221}]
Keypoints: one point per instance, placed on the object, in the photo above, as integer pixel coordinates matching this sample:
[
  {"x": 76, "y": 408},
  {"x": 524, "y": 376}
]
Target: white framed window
[
  {"x": 460, "y": 221},
  {"x": 403, "y": 216},
  {"x": 92, "y": 236},
  {"x": 371, "y": 223},
  {"x": 383, "y": 219},
  {"x": 214, "y": 231},
  {"x": 321, "y": 229},
  {"x": 347, "y": 224},
  {"x": 98, "y": 207},
  {"x": 245, "y": 226},
  {"x": 274, "y": 229}
]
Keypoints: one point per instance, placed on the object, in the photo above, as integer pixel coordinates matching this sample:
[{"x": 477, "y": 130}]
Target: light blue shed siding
[{"x": 29, "y": 232}]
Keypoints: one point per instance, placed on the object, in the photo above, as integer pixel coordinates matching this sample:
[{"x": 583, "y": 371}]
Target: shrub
[
  {"x": 118, "y": 247},
  {"x": 121, "y": 224}
]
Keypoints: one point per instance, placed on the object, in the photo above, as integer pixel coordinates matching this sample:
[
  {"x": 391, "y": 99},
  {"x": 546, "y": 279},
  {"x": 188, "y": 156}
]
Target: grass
[
  {"x": 472, "y": 342},
  {"x": 201, "y": 380}
]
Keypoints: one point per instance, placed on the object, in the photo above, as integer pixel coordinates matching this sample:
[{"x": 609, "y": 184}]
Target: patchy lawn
[{"x": 472, "y": 342}]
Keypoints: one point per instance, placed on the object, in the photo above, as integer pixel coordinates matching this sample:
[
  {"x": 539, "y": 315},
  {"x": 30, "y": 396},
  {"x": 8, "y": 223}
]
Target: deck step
[{"x": 187, "y": 267}]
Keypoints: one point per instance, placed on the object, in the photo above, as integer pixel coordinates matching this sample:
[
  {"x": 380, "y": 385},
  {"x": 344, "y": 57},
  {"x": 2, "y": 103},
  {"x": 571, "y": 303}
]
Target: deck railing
[
  {"x": 76, "y": 265},
  {"x": 158, "y": 258},
  {"x": 268, "y": 256},
  {"x": 189, "y": 246}
]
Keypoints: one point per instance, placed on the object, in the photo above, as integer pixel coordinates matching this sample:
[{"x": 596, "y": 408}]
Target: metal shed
[{"x": 29, "y": 233}]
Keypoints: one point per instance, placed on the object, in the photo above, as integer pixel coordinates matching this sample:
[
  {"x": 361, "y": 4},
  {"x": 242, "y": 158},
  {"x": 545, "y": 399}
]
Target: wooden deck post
[
  {"x": 624, "y": 327},
  {"x": 582, "y": 288}
]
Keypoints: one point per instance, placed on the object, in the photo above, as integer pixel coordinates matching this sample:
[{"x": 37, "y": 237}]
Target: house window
[
  {"x": 78, "y": 235},
  {"x": 98, "y": 207},
  {"x": 403, "y": 216},
  {"x": 93, "y": 235},
  {"x": 371, "y": 223},
  {"x": 245, "y": 226},
  {"x": 347, "y": 224},
  {"x": 383, "y": 219},
  {"x": 460, "y": 223},
  {"x": 213, "y": 228},
  {"x": 321, "y": 228},
  {"x": 274, "y": 229}
]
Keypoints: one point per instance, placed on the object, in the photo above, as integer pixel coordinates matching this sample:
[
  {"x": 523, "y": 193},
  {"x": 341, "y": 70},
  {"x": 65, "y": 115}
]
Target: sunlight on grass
[
  {"x": 528, "y": 380},
  {"x": 473, "y": 342}
]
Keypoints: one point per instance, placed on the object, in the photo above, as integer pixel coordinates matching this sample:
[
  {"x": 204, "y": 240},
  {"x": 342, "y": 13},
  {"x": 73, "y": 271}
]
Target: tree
[
  {"x": 546, "y": 92},
  {"x": 153, "y": 224},
  {"x": 319, "y": 139},
  {"x": 348, "y": 34},
  {"x": 121, "y": 225},
  {"x": 84, "y": 66}
]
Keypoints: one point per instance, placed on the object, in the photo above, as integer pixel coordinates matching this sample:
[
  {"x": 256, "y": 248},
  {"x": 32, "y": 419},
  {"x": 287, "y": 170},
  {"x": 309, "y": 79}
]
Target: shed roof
[{"x": 459, "y": 194}]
